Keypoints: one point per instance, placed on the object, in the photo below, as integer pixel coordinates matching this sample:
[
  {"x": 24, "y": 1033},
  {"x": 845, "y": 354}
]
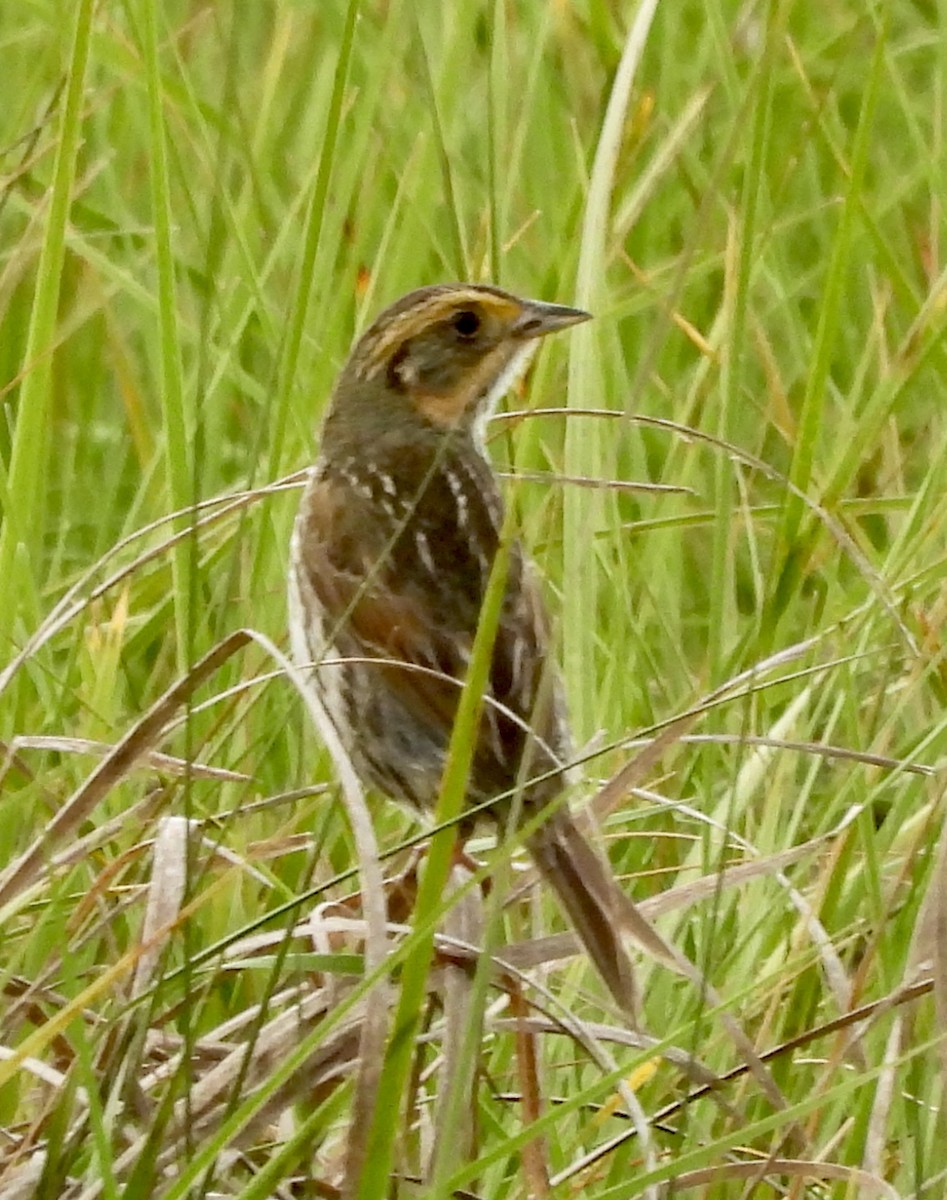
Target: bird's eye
[{"x": 467, "y": 323}]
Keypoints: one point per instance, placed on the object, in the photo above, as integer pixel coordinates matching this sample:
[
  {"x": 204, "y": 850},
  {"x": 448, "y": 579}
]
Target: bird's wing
[{"x": 409, "y": 588}]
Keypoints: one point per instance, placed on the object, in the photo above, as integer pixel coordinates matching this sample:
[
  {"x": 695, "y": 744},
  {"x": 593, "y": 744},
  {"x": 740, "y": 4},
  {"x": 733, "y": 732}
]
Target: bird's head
[{"x": 440, "y": 358}]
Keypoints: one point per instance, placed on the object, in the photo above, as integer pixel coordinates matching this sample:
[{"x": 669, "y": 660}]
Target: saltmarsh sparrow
[{"x": 391, "y": 552}]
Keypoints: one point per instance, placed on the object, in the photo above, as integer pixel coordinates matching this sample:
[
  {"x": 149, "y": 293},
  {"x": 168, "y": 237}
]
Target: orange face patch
[
  {"x": 448, "y": 408},
  {"x": 444, "y": 410}
]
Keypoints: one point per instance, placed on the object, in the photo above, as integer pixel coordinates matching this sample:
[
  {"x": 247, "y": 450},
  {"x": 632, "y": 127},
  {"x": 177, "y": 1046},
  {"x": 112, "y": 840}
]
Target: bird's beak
[{"x": 537, "y": 319}]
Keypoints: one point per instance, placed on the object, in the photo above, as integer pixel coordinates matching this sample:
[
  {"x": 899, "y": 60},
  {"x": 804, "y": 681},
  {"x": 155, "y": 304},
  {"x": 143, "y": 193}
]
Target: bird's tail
[{"x": 591, "y": 899}]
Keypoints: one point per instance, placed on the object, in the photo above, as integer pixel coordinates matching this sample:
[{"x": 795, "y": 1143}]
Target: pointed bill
[{"x": 539, "y": 319}]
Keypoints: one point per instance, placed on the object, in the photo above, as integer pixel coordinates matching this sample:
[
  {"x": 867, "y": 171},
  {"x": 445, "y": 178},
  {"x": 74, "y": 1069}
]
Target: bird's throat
[{"x": 507, "y": 379}]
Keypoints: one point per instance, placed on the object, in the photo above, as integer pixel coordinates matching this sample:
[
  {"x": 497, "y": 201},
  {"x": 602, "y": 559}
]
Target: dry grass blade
[
  {"x": 820, "y": 749},
  {"x": 683, "y": 895},
  {"x": 22, "y": 1182},
  {"x": 556, "y": 478},
  {"x": 932, "y": 941},
  {"x": 537, "y": 951},
  {"x": 139, "y": 740},
  {"x": 79, "y": 849},
  {"x": 455, "y": 1123},
  {"x": 867, "y": 1184},
  {"x": 208, "y": 1102},
  {"x": 674, "y": 730},
  {"x": 154, "y": 758},
  {"x": 374, "y": 1030},
  {"x": 635, "y": 772},
  {"x": 928, "y": 960},
  {"x": 166, "y": 890},
  {"x": 876, "y": 1140},
  {"x": 696, "y": 1072},
  {"x": 739, "y": 687},
  {"x": 527, "y": 1069}
]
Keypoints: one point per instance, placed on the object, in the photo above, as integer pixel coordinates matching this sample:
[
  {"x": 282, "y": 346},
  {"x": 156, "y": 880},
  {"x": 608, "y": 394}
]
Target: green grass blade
[
  {"x": 178, "y": 428},
  {"x": 315, "y": 217},
  {"x": 21, "y": 535},
  {"x": 583, "y": 512},
  {"x": 376, "y": 1175},
  {"x": 831, "y": 313}
]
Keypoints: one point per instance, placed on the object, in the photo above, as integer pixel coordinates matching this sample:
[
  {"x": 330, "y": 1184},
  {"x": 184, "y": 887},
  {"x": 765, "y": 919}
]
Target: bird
[{"x": 391, "y": 551}]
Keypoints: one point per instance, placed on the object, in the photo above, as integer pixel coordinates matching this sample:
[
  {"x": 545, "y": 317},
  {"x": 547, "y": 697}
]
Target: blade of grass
[
  {"x": 176, "y": 420},
  {"x": 720, "y": 594},
  {"x": 310, "y": 248},
  {"x": 582, "y": 512},
  {"x": 461, "y": 263},
  {"x": 23, "y": 526},
  {"x": 789, "y": 547},
  {"x": 376, "y": 1177}
]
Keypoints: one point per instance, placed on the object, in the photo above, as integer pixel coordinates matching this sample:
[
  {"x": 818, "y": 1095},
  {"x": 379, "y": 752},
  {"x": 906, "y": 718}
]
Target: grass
[{"x": 200, "y": 207}]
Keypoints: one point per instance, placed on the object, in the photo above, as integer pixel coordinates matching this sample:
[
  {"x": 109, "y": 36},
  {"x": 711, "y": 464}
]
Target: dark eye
[{"x": 467, "y": 323}]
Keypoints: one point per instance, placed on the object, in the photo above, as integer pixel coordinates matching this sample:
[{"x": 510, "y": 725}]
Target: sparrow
[{"x": 390, "y": 556}]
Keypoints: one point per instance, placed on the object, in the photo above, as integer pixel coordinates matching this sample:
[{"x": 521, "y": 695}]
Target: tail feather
[{"x": 592, "y": 902}]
